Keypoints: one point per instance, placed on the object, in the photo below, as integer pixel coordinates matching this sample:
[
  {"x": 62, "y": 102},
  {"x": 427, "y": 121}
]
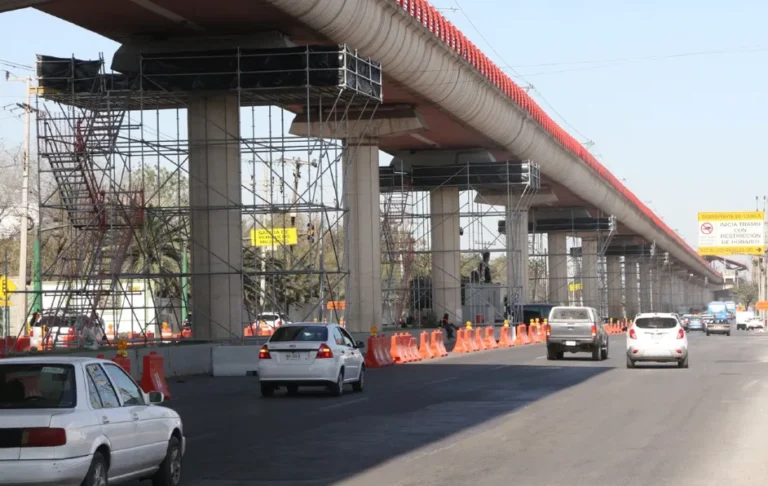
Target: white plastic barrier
[{"x": 235, "y": 360}]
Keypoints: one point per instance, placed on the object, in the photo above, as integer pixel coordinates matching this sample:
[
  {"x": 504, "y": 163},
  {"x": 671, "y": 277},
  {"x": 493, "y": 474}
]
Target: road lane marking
[
  {"x": 541, "y": 357},
  {"x": 429, "y": 453},
  {"x": 342, "y": 404},
  {"x": 750, "y": 385},
  {"x": 443, "y": 380}
]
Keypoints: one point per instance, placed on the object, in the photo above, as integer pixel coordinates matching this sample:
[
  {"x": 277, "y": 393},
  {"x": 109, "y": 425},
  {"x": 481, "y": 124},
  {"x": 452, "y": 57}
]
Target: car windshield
[
  {"x": 656, "y": 322},
  {"x": 300, "y": 333},
  {"x": 569, "y": 314},
  {"x": 37, "y": 385}
]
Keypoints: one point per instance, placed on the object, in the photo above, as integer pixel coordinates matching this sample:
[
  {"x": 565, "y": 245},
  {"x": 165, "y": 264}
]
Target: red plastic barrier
[
  {"x": 153, "y": 375},
  {"x": 125, "y": 363},
  {"x": 372, "y": 356}
]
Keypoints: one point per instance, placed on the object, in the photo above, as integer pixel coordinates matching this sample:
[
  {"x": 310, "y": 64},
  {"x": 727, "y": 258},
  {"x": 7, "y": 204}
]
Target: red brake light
[
  {"x": 264, "y": 353},
  {"x": 680, "y": 333},
  {"x": 43, "y": 437},
  {"x": 632, "y": 334},
  {"x": 594, "y": 330},
  {"x": 324, "y": 352},
  {"x": 548, "y": 329}
]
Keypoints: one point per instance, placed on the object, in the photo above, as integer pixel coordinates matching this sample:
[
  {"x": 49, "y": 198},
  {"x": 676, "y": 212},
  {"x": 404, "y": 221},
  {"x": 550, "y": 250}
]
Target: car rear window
[
  {"x": 570, "y": 314},
  {"x": 48, "y": 385},
  {"x": 656, "y": 322},
  {"x": 300, "y": 333}
]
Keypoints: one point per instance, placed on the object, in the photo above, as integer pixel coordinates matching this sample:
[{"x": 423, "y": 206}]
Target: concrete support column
[
  {"x": 517, "y": 255},
  {"x": 557, "y": 261},
  {"x": 613, "y": 283},
  {"x": 362, "y": 242},
  {"x": 589, "y": 280},
  {"x": 213, "y": 123},
  {"x": 656, "y": 304},
  {"x": 645, "y": 286},
  {"x": 631, "y": 285},
  {"x": 446, "y": 245}
]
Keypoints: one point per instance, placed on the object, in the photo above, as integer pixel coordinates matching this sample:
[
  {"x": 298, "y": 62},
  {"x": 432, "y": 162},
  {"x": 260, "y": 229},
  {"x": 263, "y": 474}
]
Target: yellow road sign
[
  {"x": 7, "y": 287},
  {"x": 274, "y": 237},
  {"x": 731, "y": 233},
  {"x": 733, "y": 216},
  {"x": 573, "y": 286}
]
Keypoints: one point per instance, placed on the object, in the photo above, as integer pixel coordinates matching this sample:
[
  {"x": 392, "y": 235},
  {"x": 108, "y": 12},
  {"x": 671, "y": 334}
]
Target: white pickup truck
[{"x": 576, "y": 330}]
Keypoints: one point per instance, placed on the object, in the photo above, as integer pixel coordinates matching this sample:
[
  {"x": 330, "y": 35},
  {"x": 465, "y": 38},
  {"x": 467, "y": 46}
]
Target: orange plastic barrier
[
  {"x": 462, "y": 345},
  {"x": 372, "y": 356},
  {"x": 384, "y": 348},
  {"x": 396, "y": 349},
  {"x": 153, "y": 375},
  {"x": 490, "y": 338},
  {"x": 531, "y": 334},
  {"x": 413, "y": 348},
  {"x": 424, "y": 351},
  {"x": 479, "y": 339},
  {"x": 439, "y": 344},
  {"x": 519, "y": 341},
  {"x": 505, "y": 340}
]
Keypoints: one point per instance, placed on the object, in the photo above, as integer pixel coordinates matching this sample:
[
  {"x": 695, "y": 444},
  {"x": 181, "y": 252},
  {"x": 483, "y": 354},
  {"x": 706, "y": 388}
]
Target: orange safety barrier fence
[
  {"x": 490, "y": 338},
  {"x": 519, "y": 341},
  {"x": 153, "y": 375},
  {"x": 424, "y": 350},
  {"x": 461, "y": 346},
  {"x": 505, "y": 340},
  {"x": 395, "y": 349},
  {"x": 479, "y": 344},
  {"x": 413, "y": 348}
]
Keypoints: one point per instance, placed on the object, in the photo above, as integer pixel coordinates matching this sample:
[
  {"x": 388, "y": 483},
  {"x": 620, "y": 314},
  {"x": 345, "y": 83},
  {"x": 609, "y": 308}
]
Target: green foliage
[{"x": 746, "y": 293}]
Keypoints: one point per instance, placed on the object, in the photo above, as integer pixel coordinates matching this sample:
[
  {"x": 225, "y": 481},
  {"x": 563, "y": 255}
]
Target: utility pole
[{"x": 24, "y": 189}]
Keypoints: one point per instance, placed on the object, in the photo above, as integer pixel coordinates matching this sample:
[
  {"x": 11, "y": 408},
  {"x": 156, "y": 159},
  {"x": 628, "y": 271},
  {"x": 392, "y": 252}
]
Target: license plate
[
  {"x": 570, "y": 343},
  {"x": 293, "y": 356}
]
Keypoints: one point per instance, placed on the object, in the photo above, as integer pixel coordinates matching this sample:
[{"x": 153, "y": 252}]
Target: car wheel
[
  {"x": 728, "y": 334},
  {"x": 359, "y": 385},
  {"x": 337, "y": 389},
  {"x": 97, "y": 473},
  {"x": 596, "y": 353},
  {"x": 559, "y": 355},
  {"x": 604, "y": 352},
  {"x": 683, "y": 363},
  {"x": 551, "y": 354},
  {"x": 267, "y": 390},
  {"x": 707, "y": 334},
  {"x": 630, "y": 363},
  {"x": 169, "y": 473}
]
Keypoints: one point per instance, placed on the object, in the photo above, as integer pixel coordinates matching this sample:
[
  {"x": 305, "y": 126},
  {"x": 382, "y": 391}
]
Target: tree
[{"x": 746, "y": 293}]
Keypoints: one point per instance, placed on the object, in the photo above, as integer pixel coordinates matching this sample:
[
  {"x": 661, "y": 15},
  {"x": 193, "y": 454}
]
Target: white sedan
[
  {"x": 311, "y": 354},
  {"x": 657, "y": 337},
  {"x": 73, "y": 420}
]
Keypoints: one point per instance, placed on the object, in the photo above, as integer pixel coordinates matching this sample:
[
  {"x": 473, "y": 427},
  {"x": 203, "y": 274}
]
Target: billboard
[
  {"x": 732, "y": 233},
  {"x": 274, "y": 237}
]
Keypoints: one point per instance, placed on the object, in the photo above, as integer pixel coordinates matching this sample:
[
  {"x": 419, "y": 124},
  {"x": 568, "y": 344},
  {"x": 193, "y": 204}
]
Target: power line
[{"x": 15, "y": 65}]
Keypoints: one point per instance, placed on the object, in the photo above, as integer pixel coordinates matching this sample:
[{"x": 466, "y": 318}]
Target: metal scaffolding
[{"x": 116, "y": 146}]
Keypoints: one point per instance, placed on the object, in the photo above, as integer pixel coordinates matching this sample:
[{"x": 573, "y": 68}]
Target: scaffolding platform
[{"x": 261, "y": 77}]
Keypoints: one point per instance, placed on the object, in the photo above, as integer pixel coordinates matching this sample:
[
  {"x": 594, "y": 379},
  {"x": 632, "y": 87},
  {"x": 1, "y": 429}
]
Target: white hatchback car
[
  {"x": 74, "y": 420},
  {"x": 657, "y": 337},
  {"x": 311, "y": 354}
]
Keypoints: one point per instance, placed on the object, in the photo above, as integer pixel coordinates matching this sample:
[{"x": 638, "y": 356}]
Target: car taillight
[
  {"x": 43, "y": 437},
  {"x": 594, "y": 330},
  {"x": 264, "y": 353},
  {"x": 324, "y": 352},
  {"x": 549, "y": 330},
  {"x": 680, "y": 334},
  {"x": 632, "y": 334}
]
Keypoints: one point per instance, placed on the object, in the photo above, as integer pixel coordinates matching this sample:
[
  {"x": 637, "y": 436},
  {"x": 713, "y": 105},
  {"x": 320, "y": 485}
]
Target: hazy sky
[{"x": 673, "y": 94}]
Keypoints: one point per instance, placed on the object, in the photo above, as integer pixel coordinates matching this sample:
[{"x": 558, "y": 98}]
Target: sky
[{"x": 672, "y": 94}]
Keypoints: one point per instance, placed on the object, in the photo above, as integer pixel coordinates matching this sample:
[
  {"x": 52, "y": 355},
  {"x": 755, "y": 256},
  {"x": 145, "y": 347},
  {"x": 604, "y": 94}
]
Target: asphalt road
[{"x": 496, "y": 418}]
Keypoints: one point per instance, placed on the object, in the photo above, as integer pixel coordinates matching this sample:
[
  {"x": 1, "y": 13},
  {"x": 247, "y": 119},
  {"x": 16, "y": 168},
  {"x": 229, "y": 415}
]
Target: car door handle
[
  {"x": 135, "y": 416},
  {"x": 104, "y": 420}
]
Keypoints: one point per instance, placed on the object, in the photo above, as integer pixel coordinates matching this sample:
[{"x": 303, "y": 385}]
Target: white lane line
[
  {"x": 443, "y": 380},
  {"x": 750, "y": 385},
  {"x": 343, "y": 404},
  {"x": 541, "y": 357},
  {"x": 500, "y": 367}
]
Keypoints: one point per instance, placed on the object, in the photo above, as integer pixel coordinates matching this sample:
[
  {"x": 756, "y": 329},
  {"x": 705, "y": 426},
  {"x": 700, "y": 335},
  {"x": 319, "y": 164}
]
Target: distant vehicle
[
  {"x": 695, "y": 324},
  {"x": 718, "y": 327},
  {"x": 730, "y": 307},
  {"x": 574, "y": 330},
  {"x": 74, "y": 420},
  {"x": 657, "y": 337},
  {"x": 311, "y": 354},
  {"x": 742, "y": 317},
  {"x": 718, "y": 311},
  {"x": 755, "y": 323},
  {"x": 685, "y": 320}
]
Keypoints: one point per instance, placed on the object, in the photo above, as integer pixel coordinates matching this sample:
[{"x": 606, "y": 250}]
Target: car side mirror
[
  {"x": 156, "y": 397},
  {"x": 360, "y": 345}
]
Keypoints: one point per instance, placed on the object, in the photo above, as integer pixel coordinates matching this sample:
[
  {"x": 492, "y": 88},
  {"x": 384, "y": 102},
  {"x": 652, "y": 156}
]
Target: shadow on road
[{"x": 235, "y": 435}]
